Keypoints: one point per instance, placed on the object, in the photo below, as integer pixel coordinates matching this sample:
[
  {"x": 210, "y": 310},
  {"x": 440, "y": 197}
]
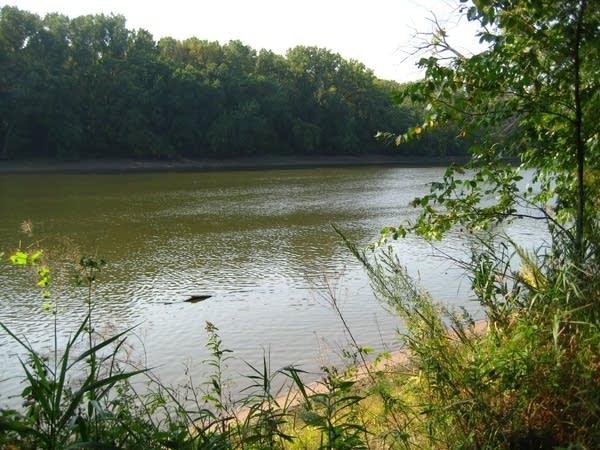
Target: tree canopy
[{"x": 91, "y": 87}]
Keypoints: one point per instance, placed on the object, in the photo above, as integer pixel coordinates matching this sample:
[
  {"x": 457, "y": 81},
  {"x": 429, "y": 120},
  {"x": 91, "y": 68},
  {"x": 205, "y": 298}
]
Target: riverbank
[
  {"x": 39, "y": 166},
  {"x": 365, "y": 373}
]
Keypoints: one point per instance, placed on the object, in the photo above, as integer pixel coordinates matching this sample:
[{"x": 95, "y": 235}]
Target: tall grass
[
  {"x": 87, "y": 399},
  {"x": 529, "y": 377}
]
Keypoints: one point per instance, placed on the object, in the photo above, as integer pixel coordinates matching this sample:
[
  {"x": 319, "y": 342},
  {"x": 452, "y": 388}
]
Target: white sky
[{"x": 377, "y": 33}]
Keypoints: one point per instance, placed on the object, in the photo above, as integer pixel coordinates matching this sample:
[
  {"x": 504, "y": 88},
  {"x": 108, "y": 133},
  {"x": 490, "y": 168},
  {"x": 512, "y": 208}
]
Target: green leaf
[
  {"x": 19, "y": 258},
  {"x": 35, "y": 257},
  {"x": 312, "y": 418}
]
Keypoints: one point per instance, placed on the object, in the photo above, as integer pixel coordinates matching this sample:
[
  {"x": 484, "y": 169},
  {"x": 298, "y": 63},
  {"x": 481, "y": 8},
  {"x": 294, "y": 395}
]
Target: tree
[
  {"x": 90, "y": 87},
  {"x": 529, "y": 101},
  {"x": 533, "y": 95},
  {"x": 17, "y": 30}
]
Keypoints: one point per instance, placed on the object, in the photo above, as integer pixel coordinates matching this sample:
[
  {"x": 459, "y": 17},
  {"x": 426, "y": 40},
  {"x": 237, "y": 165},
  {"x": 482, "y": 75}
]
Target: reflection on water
[{"x": 260, "y": 242}]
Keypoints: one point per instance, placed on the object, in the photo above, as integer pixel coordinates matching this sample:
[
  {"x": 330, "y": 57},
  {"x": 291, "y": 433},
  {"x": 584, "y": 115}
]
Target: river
[{"x": 260, "y": 243}]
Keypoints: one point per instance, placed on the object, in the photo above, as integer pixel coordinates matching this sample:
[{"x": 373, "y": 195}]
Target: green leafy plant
[
  {"x": 54, "y": 408},
  {"x": 529, "y": 99},
  {"x": 54, "y": 414},
  {"x": 331, "y": 411},
  {"x": 265, "y": 408},
  {"x": 529, "y": 102}
]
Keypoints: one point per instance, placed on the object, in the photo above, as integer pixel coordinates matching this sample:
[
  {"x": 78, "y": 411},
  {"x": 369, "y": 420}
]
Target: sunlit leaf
[{"x": 19, "y": 258}]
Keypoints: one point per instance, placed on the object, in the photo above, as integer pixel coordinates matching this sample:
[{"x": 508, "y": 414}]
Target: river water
[{"x": 260, "y": 243}]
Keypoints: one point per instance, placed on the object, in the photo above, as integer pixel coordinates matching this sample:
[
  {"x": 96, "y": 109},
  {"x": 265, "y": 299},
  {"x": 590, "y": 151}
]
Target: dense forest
[{"x": 88, "y": 87}]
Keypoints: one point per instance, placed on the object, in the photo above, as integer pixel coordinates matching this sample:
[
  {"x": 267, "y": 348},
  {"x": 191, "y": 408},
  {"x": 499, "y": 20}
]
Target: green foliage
[
  {"x": 264, "y": 424},
  {"x": 55, "y": 415},
  {"x": 530, "y": 97},
  {"x": 332, "y": 413},
  {"x": 58, "y": 413},
  {"x": 527, "y": 378},
  {"x": 89, "y": 268},
  {"x": 83, "y": 399},
  {"x": 88, "y": 87}
]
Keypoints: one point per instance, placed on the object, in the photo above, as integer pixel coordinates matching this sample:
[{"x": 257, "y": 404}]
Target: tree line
[{"x": 89, "y": 87}]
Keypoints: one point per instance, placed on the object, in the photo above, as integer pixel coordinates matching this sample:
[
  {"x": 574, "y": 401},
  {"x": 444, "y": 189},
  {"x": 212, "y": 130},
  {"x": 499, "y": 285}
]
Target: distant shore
[{"x": 102, "y": 166}]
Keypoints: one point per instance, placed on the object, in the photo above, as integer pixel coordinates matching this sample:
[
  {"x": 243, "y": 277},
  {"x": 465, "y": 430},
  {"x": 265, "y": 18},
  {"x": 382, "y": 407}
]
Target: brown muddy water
[{"x": 260, "y": 243}]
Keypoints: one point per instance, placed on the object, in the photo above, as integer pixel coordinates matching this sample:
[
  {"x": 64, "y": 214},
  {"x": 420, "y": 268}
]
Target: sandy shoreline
[
  {"x": 101, "y": 166},
  {"x": 399, "y": 359}
]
